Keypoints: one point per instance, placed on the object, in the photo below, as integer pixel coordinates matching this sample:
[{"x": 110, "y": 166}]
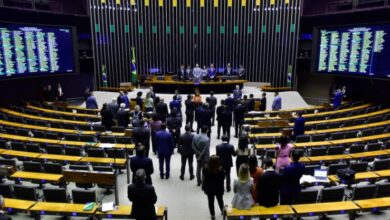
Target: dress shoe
[
  {"x": 162, "y": 176},
  {"x": 167, "y": 176},
  {"x": 192, "y": 177},
  {"x": 181, "y": 177},
  {"x": 228, "y": 189}
]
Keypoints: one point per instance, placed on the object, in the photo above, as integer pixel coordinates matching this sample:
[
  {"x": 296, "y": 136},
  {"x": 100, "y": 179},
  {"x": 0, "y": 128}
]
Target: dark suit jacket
[
  {"x": 175, "y": 104},
  {"x": 174, "y": 123},
  {"x": 123, "y": 117},
  {"x": 220, "y": 109},
  {"x": 91, "y": 103},
  {"x": 141, "y": 135},
  {"x": 263, "y": 104},
  {"x": 162, "y": 110},
  {"x": 268, "y": 188},
  {"x": 107, "y": 118},
  {"x": 299, "y": 126},
  {"x": 198, "y": 114},
  {"x": 143, "y": 197},
  {"x": 291, "y": 176},
  {"x": 251, "y": 105},
  {"x": 213, "y": 182},
  {"x": 212, "y": 101},
  {"x": 185, "y": 144},
  {"x": 229, "y": 103},
  {"x": 226, "y": 151},
  {"x": 138, "y": 162},
  {"x": 190, "y": 107},
  {"x": 226, "y": 118},
  {"x": 239, "y": 113},
  {"x": 205, "y": 117},
  {"x": 164, "y": 142}
]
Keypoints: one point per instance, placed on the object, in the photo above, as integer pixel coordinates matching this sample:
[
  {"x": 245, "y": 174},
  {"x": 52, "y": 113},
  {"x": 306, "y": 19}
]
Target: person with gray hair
[
  {"x": 2, "y": 215},
  {"x": 123, "y": 116},
  {"x": 113, "y": 107},
  {"x": 143, "y": 197}
]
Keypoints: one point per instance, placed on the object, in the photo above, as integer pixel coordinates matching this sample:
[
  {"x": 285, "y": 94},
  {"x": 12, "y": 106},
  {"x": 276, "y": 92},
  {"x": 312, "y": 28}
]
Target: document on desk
[
  {"x": 107, "y": 145},
  {"x": 107, "y": 206}
]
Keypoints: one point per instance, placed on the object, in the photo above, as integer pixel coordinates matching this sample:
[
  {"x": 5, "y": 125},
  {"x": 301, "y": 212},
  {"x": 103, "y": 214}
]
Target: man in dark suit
[
  {"x": 141, "y": 135},
  {"x": 91, "y": 102},
  {"x": 143, "y": 197},
  {"x": 220, "y": 109},
  {"x": 198, "y": 115},
  {"x": 268, "y": 185},
  {"x": 251, "y": 103},
  {"x": 299, "y": 125},
  {"x": 206, "y": 118},
  {"x": 190, "y": 111},
  {"x": 226, "y": 151},
  {"x": 113, "y": 107},
  {"x": 123, "y": 116},
  {"x": 212, "y": 101},
  {"x": 226, "y": 119},
  {"x": 229, "y": 102},
  {"x": 174, "y": 125},
  {"x": 185, "y": 149},
  {"x": 239, "y": 112},
  {"x": 165, "y": 146},
  {"x": 162, "y": 110},
  {"x": 140, "y": 161},
  {"x": 291, "y": 176},
  {"x": 263, "y": 102},
  {"x": 182, "y": 75},
  {"x": 175, "y": 104}
]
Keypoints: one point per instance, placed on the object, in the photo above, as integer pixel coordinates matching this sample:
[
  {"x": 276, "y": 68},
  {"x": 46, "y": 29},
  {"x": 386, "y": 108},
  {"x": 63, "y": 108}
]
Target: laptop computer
[{"x": 321, "y": 175}]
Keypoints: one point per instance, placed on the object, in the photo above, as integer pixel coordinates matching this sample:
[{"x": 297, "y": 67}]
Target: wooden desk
[
  {"x": 383, "y": 173},
  {"x": 260, "y": 211},
  {"x": 124, "y": 211},
  {"x": 120, "y": 146},
  {"x": 347, "y": 141},
  {"x": 77, "y": 143},
  {"x": 369, "y": 154},
  {"x": 47, "y": 177},
  {"x": 56, "y": 157},
  {"x": 18, "y": 204},
  {"x": 329, "y": 158},
  {"x": 362, "y": 176},
  {"x": 325, "y": 208},
  {"x": 313, "y": 144},
  {"x": 11, "y": 112},
  {"x": 62, "y": 112},
  {"x": 82, "y": 108},
  {"x": 14, "y": 137},
  {"x": 338, "y": 111},
  {"x": 265, "y": 146},
  {"x": 376, "y": 137},
  {"x": 118, "y": 161},
  {"x": 373, "y": 203},
  {"x": 43, "y": 140},
  {"x": 22, "y": 154},
  {"x": 65, "y": 209}
]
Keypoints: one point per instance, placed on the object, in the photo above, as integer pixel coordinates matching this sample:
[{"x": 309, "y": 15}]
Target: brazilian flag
[{"x": 133, "y": 67}]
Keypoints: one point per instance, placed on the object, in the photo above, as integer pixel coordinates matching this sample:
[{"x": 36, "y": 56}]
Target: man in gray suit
[{"x": 201, "y": 147}]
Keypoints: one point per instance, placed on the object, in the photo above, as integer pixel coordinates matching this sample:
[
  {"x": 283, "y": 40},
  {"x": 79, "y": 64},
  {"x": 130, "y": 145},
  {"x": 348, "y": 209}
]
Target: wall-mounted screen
[
  {"x": 28, "y": 50},
  {"x": 361, "y": 50}
]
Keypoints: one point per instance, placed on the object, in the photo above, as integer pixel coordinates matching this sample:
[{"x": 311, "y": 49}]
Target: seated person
[{"x": 228, "y": 70}]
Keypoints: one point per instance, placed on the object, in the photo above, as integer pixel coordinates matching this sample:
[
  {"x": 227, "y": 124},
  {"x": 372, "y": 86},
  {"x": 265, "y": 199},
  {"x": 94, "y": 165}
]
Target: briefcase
[{"x": 346, "y": 174}]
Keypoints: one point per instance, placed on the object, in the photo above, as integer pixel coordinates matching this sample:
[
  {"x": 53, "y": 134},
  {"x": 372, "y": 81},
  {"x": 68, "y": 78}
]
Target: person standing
[
  {"x": 91, "y": 102},
  {"x": 60, "y": 93},
  {"x": 237, "y": 93},
  {"x": 178, "y": 96},
  {"x": 165, "y": 146},
  {"x": 283, "y": 151},
  {"x": 201, "y": 148},
  {"x": 190, "y": 111},
  {"x": 141, "y": 161},
  {"x": 138, "y": 100},
  {"x": 291, "y": 176},
  {"x": 225, "y": 152},
  {"x": 212, "y": 185},
  {"x": 255, "y": 172},
  {"x": 143, "y": 197},
  {"x": 251, "y": 103},
  {"x": 220, "y": 109},
  {"x": 149, "y": 103},
  {"x": 141, "y": 135},
  {"x": 155, "y": 126},
  {"x": 212, "y": 101},
  {"x": 107, "y": 117},
  {"x": 242, "y": 188},
  {"x": 175, "y": 104},
  {"x": 263, "y": 102},
  {"x": 243, "y": 151},
  {"x": 174, "y": 125},
  {"x": 229, "y": 102},
  {"x": 123, "y": 116},
  {"x": 197, "y": 99},
  {"x": 268, "y": 185},
  {"x": 152, "y": 94},
  {"x": 239, "y": 113},
  {"x": 126, "y": 100},
  {"x": 226, "y": 118},
  {"x": 206, "y": 117},
  {"x": 199, "y": 111},
  {"x": 161, "y": 109},
  {"x": 299, "y": 125},
  {"x": 337, "y": 100},
  {"x": 187, "y": 154},
  {"x": 113, "y": 107},
  {"x": 277, "y": 103}
]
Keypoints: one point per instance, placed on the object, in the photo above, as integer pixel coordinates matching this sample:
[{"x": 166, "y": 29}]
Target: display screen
[
  {"x": 27, "y": 50},
  {"x": 353, "y": 50}
]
